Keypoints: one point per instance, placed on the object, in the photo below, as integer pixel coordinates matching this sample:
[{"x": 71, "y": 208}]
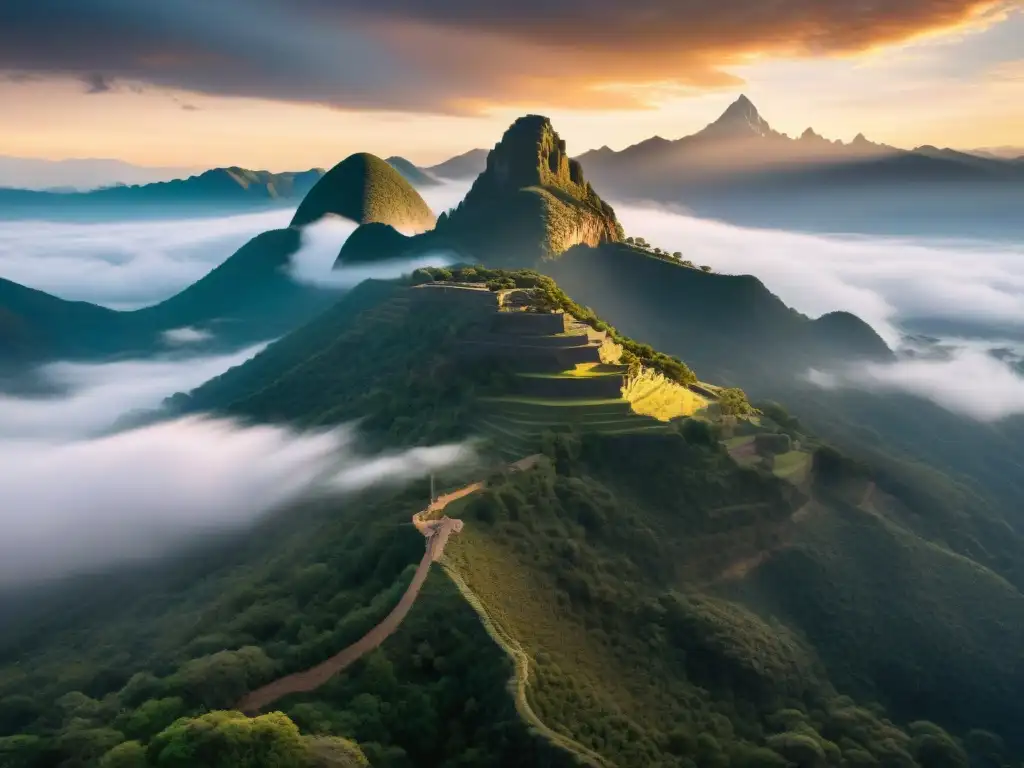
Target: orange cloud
[{"x": 456, "y": 56}]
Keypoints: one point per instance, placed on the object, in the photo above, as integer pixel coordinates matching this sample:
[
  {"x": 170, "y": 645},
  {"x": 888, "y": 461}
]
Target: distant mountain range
[
  {"x": 249, "y": 297},
  {"x": 80, "y": 174},
  {"x": 468, "y": 165},
  {"x": 740, "y": 169},
  {"x": 210, "y": 192}
]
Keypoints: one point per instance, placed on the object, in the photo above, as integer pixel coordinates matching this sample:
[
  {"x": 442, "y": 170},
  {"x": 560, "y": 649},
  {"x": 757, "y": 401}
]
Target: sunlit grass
[{"x": 649, "y": 393}]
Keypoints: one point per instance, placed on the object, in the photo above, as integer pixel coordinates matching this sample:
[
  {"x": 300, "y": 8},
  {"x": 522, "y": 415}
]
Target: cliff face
[{"x": 531, "y": 202}]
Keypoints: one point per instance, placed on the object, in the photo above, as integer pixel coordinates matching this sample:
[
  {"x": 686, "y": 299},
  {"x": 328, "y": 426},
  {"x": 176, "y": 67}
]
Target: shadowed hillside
[
  {"x": 249, "y": 297},
  {"x": 412, "y": 173}
]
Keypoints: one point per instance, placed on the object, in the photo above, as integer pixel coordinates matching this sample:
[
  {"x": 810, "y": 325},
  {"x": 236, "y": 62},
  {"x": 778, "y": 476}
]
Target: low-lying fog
[
  {"x": 891, "y": 284},
  {"x": 77, "y": 496}
]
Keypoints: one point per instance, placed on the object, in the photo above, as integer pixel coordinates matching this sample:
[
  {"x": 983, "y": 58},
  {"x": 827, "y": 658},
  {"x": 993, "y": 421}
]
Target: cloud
[
  {"x": 96, "y": 83},
  {"x": 79, "y": 496},
  {"x": 187, "y": 335},
  {"x": 969, "y": 382},
  {"x": 126, "y": 264},
  {"x": 889, "y": 283},
  {"x": 410, "y": 55},
  {"x": 135, "y": 495},
  {"x": 321, "y": 242},
  {"x": 885, "y": 281},
  {"x": 93, "y": 396}
]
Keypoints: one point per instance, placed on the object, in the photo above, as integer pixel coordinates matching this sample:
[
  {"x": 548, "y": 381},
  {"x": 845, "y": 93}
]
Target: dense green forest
[{"x": 674, "y": 608}]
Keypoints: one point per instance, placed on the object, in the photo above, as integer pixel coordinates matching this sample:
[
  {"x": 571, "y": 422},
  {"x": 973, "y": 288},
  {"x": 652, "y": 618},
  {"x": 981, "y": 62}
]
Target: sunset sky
[{"x": 290, "y": 84}]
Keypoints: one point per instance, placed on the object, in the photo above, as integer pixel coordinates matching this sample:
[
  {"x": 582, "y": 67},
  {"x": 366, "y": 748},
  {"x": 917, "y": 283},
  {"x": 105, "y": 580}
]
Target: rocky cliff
[{"x": 531, "y": 201}]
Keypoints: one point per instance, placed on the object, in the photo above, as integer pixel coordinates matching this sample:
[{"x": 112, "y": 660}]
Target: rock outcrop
[{"x": 531, "y": 202}]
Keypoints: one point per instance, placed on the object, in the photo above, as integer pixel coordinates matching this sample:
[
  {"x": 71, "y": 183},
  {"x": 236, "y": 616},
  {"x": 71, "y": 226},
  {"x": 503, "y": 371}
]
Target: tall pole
[{"x": 432, "y": 494}]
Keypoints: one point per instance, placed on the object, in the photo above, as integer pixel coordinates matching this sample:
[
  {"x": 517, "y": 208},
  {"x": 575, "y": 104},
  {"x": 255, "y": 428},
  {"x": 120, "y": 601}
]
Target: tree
[
  {"x": 733, "y": 402},
  {"x": 705, "y": 268},
  {"x": 220, "y": 679},
  {"x": 630, "y": 241},
  {"x": 677, "y": 255},
  {"x": 229, "y": 740},
  {"x": 129, "y": 754}
]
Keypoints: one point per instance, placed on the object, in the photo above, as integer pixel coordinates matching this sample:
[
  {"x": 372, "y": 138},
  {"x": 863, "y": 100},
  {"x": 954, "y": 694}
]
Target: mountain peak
[{"x": 739, "y": 120}]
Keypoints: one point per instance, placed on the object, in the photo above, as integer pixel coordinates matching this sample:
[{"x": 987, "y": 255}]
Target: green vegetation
[
  {"x": 653, "y": 602},
  {"x": 247, "y": 298},
  {"x": 372, "y": 242},
  {"x": 547, "y": 296},
  {"x": 532, "y": 202},
  {"x": 589, "y": 568},
  {"x": 363, "y": 188}
]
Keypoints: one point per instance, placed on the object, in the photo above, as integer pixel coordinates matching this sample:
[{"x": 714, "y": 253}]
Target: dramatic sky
[{"x": 295, "y": 83}]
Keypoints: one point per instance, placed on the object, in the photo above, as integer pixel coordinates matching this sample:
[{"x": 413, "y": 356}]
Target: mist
[
  {"x": 884, "y": 281},
  {"x": 71, "y": 507},
  {"x": 78, "y": 497},
  {"x": 889, "y": 283},
  {"x": 321, "y": 241},
  {"x": 124, "y": 265}
]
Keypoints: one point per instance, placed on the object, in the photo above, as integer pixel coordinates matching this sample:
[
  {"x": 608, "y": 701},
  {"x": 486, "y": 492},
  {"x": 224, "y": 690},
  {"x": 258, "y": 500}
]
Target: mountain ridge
[{"x": 226, "y": 187}]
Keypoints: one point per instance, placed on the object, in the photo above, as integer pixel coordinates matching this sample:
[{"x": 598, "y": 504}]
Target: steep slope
[
  {"x": 221, "y": 187},
  {"x": 468, "y": 165},
  {"x": 665, "y": 603},
  {"x": 731, "y": 327},
  {"x": 249, "y": 297},
  {"x": 531, "y": 201},
  {"x": 412, "y": 173},
  {"x": 363, "y": 188}
]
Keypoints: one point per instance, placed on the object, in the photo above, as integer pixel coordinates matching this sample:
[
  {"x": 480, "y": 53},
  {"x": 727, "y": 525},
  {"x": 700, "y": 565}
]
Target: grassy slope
[
  {"x": 363, "y": 188},
  {"x": 585, "y": 568}
]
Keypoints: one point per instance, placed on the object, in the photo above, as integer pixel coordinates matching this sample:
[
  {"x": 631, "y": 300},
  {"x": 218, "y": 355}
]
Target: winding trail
[{"x": 436, "y": 533}]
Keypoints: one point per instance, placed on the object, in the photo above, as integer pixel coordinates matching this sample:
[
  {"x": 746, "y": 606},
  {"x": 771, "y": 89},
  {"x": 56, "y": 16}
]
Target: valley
[{"x": 664, "y": 545}]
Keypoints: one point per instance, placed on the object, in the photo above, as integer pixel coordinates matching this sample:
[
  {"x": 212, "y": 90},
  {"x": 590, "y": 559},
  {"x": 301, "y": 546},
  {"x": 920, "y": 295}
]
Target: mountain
[
  {"x": 363, "y": 188},
  {"x": 413, "y": 174},
  {"x": 374, "y": 242},
  {"x": 79, "y": 174},
  {"x": 468, "y": 165},
  {"x": 712, "y": 589},
  {"x": 250, "y": 297},
  {"x": 531, "y": 201},
  {"x": 740, "y": 169},
  {"x": 223, "y": 188}
]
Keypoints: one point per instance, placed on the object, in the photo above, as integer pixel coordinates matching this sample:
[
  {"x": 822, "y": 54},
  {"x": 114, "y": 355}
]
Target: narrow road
[{"x": 436, "y": 533}]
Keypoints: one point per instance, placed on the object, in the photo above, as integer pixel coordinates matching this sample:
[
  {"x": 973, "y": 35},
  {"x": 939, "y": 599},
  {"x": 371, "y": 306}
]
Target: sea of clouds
[
  {"x": 887, "y": 282},
  {"x": 79, "y": 496}
]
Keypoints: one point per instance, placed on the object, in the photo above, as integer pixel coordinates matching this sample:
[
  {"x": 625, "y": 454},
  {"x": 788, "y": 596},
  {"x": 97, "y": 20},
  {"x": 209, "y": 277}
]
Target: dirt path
[{"x": 436, "y": 533}]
